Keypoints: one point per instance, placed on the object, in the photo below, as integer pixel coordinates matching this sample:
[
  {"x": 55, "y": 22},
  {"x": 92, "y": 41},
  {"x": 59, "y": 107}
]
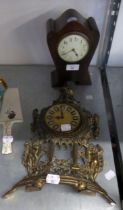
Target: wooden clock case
[{"x": 71, "y": 22}]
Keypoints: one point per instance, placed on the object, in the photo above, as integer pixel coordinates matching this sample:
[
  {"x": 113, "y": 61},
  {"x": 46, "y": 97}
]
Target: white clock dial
[{"x": 73, "y": 48}]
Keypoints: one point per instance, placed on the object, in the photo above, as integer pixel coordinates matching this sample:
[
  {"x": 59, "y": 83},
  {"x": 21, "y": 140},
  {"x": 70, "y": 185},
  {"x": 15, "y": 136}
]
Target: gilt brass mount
[
  {"x": 3, "y": 87},
  {"x": 86, "y": 159}
]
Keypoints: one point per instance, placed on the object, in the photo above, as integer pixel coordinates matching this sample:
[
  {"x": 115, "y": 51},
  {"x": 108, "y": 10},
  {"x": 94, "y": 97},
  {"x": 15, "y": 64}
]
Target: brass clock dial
[
  {"x": 73, "y": 47},
  {"x": 62, "y": 118}
]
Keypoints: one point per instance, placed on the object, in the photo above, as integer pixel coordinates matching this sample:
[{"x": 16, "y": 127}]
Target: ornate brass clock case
[
  {"x": 66, "y": 120},
  {"x": 63, "y": 124}
]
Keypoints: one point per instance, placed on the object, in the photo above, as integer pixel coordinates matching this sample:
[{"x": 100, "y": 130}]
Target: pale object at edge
[{"x": 10, "y": 113}]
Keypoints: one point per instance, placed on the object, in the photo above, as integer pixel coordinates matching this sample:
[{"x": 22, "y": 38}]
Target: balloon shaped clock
[{"x": 72, "y": 41}]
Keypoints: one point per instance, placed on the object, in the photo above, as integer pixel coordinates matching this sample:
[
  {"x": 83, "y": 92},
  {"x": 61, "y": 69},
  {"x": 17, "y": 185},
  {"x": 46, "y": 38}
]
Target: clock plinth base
[
  {"x": 58, "y": 80},
  {"x": 79, "y": 78}
]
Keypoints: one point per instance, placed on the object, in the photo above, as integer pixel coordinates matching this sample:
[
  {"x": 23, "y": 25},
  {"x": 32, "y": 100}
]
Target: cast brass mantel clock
[
  {"x": 72, "y": 41},
  {"x": 65, "y": 119},
  {"x": 64, "y": 124}
]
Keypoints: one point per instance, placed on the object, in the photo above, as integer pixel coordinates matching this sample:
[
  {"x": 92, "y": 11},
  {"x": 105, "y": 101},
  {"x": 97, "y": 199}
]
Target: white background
[
  {"x": 23, "y": 27},
  {"x": 116, "y": 54}
]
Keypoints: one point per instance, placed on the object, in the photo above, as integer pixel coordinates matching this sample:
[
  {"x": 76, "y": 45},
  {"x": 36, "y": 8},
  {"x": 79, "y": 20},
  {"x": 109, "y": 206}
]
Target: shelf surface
[
  {"x": 36, "y": 92},
  {"x": 115, "y": 82}
]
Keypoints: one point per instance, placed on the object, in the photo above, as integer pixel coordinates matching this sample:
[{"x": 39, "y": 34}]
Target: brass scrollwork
[{"x": 83, "y": 166}]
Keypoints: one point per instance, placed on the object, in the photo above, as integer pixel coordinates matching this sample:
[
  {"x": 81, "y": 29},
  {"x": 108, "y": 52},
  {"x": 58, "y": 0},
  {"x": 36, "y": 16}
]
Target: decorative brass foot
[{"x": 35, "y": 183}]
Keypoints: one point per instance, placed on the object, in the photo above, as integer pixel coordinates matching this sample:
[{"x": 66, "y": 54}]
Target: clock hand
[
  {"x": 75, "y": 52},
  {"x": 62, "y": 114},
  {"x": 67, "y": 52},
  {"x": 60, "y": 117},
  {"x": 72, "y": 50}
]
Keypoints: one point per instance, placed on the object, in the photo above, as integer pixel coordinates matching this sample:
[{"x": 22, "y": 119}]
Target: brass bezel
[
  {"x": 74, "y": 33},
  {"x": 64, "y": 132}
]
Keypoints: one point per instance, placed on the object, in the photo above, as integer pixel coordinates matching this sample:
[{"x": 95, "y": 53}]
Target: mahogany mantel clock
[{"x": 72, "y": 41}]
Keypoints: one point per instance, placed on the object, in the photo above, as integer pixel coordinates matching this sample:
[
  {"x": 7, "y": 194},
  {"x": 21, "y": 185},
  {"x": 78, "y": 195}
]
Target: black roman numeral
[{"x": 65, "y": 42}]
